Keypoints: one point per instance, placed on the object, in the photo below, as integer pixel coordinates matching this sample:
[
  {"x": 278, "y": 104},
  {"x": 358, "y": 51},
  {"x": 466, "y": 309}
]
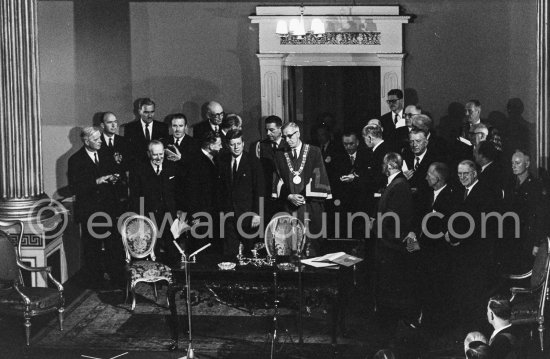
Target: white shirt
[
  {"x": 405, "y": 168},
  {"x": 391, "y": 177},
  {"x": 238, "y": 159},
  {"x": 143, "y": 124},
  {"x": 438, "y": 191},
  {"x": 401, "y": 121},
  {"x": 498, "y": 331},
  {"x": 107, "y": 138},
  {"x": 92, "y": 154},
  {"x": 207, "y": 154},
  {"x": 469, "y": 189},
  {"x": 354, "y": 156},
  {"x": 155, "y": 167},
  {"x": 177, "y": 141},
  {"x": 214, "y": 128},
  {"x": 297, "y": 149},
  {"x": 376, "y": 146}
]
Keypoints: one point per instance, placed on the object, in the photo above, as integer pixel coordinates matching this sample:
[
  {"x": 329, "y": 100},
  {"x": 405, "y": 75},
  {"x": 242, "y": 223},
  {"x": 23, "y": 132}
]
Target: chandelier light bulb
[{"x": 282, "y": 28}]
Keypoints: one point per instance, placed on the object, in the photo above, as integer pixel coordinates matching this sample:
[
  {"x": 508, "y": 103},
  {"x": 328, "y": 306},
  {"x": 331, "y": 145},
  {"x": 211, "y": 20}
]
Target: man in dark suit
[
  {"x": 491, "y": 172},
  {"x": 242, "y": 187},
  {"x": 402, "y": 133},
  {"x": 349, "y": 183},
  {"x": 436, "y": 144},
  {"x": 472, "y": 253},
  {"x": 372, "y": 135},
  {"x": 140, "y": 132},
  {"x": 504, "y": 339},
  {"x": 117, "y": 147},
  {"x": 428, "y": 228},
  {"x": 181, "y": 149},
  {"x": 394, "y": 264},
  {"x": 415, "y": 166},
  {"x": 393, "y": 119},
  {"x": 265, "y": 151},
  {"x": 92, "y": 174},
  {"x": 153, "y": 191},
  {"x": 214, "y": 116},
  {"x": 202, "y": 187}
]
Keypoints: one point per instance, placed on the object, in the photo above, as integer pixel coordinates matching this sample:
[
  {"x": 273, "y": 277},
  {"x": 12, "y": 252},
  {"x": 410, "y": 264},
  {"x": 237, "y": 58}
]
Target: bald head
[{"x": 214, "y": 113}]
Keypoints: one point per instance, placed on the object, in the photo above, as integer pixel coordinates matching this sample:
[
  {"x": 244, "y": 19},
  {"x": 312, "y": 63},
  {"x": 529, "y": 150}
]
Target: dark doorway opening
[{"x": 344, "y": 97}]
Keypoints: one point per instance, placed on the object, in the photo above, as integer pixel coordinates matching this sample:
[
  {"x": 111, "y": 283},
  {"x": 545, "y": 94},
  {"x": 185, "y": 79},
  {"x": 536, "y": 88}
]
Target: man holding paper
[{"x": 301, "y": 182}]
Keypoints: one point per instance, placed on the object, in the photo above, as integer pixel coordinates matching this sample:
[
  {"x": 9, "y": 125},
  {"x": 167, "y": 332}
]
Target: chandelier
[{"x": 296, "y": 28}]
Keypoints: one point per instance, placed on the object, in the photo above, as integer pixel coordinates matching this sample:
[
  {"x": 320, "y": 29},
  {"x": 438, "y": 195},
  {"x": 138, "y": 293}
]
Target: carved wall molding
[{"x": 336, "y": 38}]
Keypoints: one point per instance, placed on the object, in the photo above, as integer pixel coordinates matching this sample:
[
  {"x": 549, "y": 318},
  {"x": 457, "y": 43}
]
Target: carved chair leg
[
  {"x": 60, "y": 315},
  {"x": 28, "y": 329},
  {"x": 133, "y": 290},
  {"x": 155, "y": 291},
  {"x": 127, "y": 290},
  {"x": 541, "y": 336}
]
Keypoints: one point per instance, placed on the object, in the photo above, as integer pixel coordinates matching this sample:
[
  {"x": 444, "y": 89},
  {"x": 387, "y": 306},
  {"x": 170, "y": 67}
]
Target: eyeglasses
[
  {"x": 392, "y": 101},
  {"x": 210, "y": 114},
  {"x": 289, "y": 136}
]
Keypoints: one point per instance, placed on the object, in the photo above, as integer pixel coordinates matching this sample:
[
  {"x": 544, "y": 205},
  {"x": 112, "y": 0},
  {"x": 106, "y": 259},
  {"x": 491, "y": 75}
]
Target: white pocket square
[{"x": 171, "y": 177}]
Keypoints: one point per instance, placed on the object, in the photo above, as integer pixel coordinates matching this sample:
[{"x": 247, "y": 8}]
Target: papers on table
[{"x": 332, "y": 260}]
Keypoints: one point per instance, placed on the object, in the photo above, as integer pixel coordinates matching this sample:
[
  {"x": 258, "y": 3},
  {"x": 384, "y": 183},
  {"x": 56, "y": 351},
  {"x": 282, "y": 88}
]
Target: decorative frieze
[{"x": 335, "y": 38}]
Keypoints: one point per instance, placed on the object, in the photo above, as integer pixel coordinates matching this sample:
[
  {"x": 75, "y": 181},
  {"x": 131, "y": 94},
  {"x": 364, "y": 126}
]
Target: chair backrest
[
  {"x": 139, "y": 236},
  {"x": 544, "y": 290},
  {"x": 9, "y": 271},
  {"x": 10, "y": 253}
]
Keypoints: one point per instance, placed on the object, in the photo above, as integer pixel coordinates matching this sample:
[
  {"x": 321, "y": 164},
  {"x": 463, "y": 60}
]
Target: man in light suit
[
  {"x": 242, "y": 187},
  {"x": 140, "y": 132},
  {"x": 92, "y": 174},
  {"x": 395, "y": 273}
]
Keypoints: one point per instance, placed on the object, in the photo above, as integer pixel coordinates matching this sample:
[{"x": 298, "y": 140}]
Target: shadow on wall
[{"x": 63, "y": 160}]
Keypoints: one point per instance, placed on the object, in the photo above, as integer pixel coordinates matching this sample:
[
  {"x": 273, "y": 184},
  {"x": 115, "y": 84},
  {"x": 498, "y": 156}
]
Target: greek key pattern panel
[{"x": 335, "y": 38}]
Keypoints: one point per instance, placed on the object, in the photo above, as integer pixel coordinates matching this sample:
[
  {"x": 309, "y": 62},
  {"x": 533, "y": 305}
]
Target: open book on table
[{"x": 332, "y": 260}]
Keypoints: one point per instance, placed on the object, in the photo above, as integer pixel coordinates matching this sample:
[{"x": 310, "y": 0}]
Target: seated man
[{"x": 503, "y": 340}]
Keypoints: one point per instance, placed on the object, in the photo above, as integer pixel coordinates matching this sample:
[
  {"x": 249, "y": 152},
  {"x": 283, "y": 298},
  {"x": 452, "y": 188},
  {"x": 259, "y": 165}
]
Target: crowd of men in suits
[{"x": 396, "y": 165}]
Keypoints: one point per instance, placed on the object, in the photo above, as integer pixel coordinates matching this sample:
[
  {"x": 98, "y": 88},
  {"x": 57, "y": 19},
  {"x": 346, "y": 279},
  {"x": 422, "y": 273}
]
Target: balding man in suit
[{"x": 214, "y": 118}]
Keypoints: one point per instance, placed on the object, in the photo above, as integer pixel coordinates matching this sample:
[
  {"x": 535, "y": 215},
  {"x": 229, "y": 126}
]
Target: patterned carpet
[{"x": 101, "y": 320}]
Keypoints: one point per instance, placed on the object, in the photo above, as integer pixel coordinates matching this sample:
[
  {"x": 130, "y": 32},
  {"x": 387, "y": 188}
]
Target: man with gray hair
[
  {"x": 92, "y": 175},
  {"x": 301, "y": 182},
  {"x": 473, "y": 246},
  {"x": 214, "y": 118}
]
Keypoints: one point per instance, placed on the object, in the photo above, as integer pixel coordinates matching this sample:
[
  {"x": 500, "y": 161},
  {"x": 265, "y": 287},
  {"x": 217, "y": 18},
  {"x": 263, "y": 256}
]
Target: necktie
[
  {"x": 178, "y": 141},
  {"x": 158, "y": 170},
  {"x": 96, "y": 161},
  {"x": 352, "y": 159},
  {"x": 294, "y": 154},
  {"x": 274, "y": 146},
  {"x": 234, "y": 173},
  {"x": 110, "y": 142},
  {"x": 395, "y": 119},
  {"x": 416, "y": 162},
  {"x": 147, "y": 133},
  {"x": 466, "y": 190}
]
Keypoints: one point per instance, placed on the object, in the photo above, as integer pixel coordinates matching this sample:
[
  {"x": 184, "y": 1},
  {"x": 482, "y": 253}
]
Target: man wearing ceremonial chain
[{"x": 301, "y": 182}]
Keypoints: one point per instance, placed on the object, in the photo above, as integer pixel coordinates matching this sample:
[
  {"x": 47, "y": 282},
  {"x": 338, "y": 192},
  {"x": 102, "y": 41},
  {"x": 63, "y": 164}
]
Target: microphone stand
[{"x": 186, "y": 260}]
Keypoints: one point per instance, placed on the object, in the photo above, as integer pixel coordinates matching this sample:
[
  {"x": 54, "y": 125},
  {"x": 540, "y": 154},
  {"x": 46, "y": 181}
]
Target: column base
[{"x": 26, "y": 209}]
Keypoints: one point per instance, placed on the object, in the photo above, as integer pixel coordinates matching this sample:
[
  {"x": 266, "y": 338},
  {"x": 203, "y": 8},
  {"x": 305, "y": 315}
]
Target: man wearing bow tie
[{"x": 242, "y": 187}]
